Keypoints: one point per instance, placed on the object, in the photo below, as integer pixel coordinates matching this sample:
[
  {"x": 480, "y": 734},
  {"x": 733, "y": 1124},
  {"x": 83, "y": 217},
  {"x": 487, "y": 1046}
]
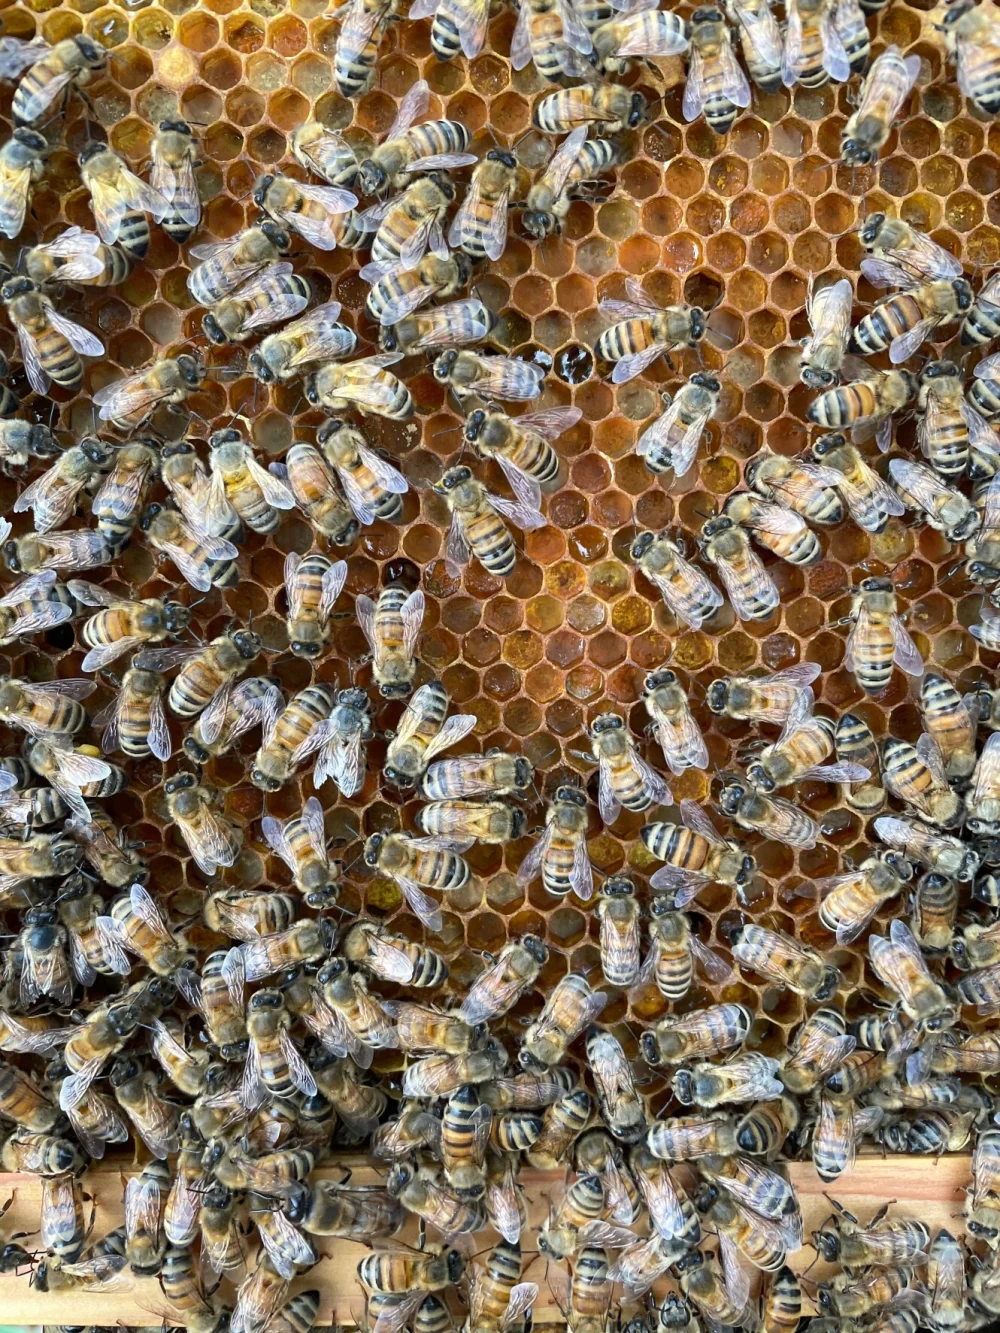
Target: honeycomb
[{"x": 743, "y": 223}]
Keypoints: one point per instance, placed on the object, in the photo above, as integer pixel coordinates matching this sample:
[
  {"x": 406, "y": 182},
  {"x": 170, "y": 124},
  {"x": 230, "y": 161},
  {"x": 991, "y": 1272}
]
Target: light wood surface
[{"x": 930, "y": 1189}]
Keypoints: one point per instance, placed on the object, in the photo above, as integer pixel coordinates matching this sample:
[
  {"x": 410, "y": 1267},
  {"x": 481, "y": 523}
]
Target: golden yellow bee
[
  {"x": 867, "y": 404},
  {"x": 621, "y": 938},
  {"x": 814, "y": 50},
  {"x": 904, "y": 321},
  {"x": 560, "y": 854},
  {"x": 225, "y": 265},
  {"x": 886, "y": 87},
  {"x": 878, "y": 640},
  {"x": 316, "y": 337},
  {"x": 275, "y": 294},
  {"x": 173, "y": 153},
  {"x": 575, "y": 161},
  {"x": 552, "y": 34},
  {"x": 716, "y": 85},
  {"x": 120, "y": 200},
  {"x": 829, "y": 312},
  {"x": 701, "y": 1033},
  {"x": 643, "y": 332},
  {"x": 204, "y": 561},
  {"x": 941, "y": 506},
  {"x": 309, "y": 210},
  {"x": 751, "y": 589},
  {"x": 435, "y": 1204},
  {"x": 569, "y": 1009},
  {"x": 973, "y": 39},
  {"x": 154, "y": 1119},
  {"x": 393, "y": 957},
  {"x": 672, "y": 441},
  {"x": 72, "y": 62},
  {"x": 210, "y": 838},
  {"x": 366, "y": 385},
  {"x": 760, "y": 39},
  {"x": 696, "y": 855},
  {"x": 784, "y": 961},
  {"x": 480, "y": 225},
  {"x": 129, "y": 402},
  {"x": 51, "y": 344},
  {"x": 22, "y": 164},
  {"x": 869, "y": 499},
  {"x": 900, "y": 965},
  {"x": 434, "y": 863}
]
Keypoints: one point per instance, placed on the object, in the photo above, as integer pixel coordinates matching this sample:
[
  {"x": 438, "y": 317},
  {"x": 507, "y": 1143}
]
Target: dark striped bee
[
  {"x": 120, "y": 200},
  {"x": 202, "y": 559},
  {"x": 480, "y": 225},
  {"x": 972, "y": 39},
  {"x": 716, "y": 85},
  {"x": 275, "y": 294},
  {"x": 687, "y": 591},
  {"x": 645, "y": 331},
  {"x": 173, "y": 153},
  {"x": 477, "y": 522},
  {"x": 552, "y": 34},
  {"x": 887, "y": 86},
  {"x": 576, "y": 161},
  {"x": 225, "y": 265},
  {"x": 436, "y": 145},
  {"x": 22, "y": 164},
  {"x": 814, "y": 51},
  {"x": 51, "y": 344},
  {"x": 71, "y": 62}
]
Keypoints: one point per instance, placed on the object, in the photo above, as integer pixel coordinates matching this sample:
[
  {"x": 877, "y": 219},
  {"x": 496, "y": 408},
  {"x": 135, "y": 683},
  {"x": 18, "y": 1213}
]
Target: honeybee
[
  {"x": 674, "y": 952},
  {"x": 866, "y": 405},
  {"x": 701, "y": 1033},
  {"x": 208, "y": 673},
  {"x": 820, "y": 1046},
  {"x": 644, "y": 1261},
  {"x": 608, "y": 106},
  {"x": 720, "y": 1297},
  {"x": 393, "y": 957},
  {"x": 137, "y": 924},
  {"x": 80, "y": 549},
  {"x": 316, "y": 493},
  {"x": 695, "y": 854},
  {"x": 768, "y": 699},
  {"x": 505, "y": 979},
  {"x": 71, "y": 62},
  {"x": 645, "y": 331},
  {"x": 226, "y": 265},
  {"x": 398, "y": 291},
  {"x": 897, "y": 1244},
  {"x": 869, "y": 500},
  {"x": 938, "y": 851},
  {"x": 365, "y": 385},
  {"x": 202, "y": 559},
  {"x": 470, "y": 375},
  {"x": 173, "y": 156},
  {"x": 427, "y": 1199},
  {"x": 76, "y": 256},
  {"x": 851, "y": 900},
  {"x": 212, "y": 996},
  {"x": 145, "y": 1243},
  {"x": 574, "y": 1219},
  {"x": 297, "y": 732},
  {"x": 123, "y": 625},
  {"x": 50, "y": 343},
  {"x": 78, "y": 908},
  {"x": 22, "y": 165},
  {"x": 407, "y": 149},
  {"x": 982, "y": 989},
  {"x": 410, "y": 223},
  {"x": 476, "y": 522},
  {"x": 104, "y": 1032},
  {"x": 619, "y": 39},
  {"x": 903, "y": 321},
  {"x": 39, "y": 855},
  {"x": 760, "y": 38},
  {"x": 317, "y": 336},
  {"x": 885, "y": 89},
  {"x": 775, "y": 528},
  {"x": 574, "y": 162},
  {"x": 120, "y": 200},
  {"x": 850, "y": 1296},
  {"x": 424, "y": 730},
  {"x": 483, "y": 821},
  {"x": 620, "y": 940},
  {"x": 449, "y": 325},
  {"x": 435, "y": 863},
  {"x": 814, "y": 51},
  {"x": 686, "y": 590},
  {"x": 74, "y": 773},
  {"x": 153, "y": 1119},
  {"x": 309, "y": 210},
  {"x": 935, "y": 903},
  {"x": 784, "y": 961},
  {"x": 806, "y": 488},
  {"x": 716, "y": 85},
  {"x": 562, "y": 1123},
  {"x": 102, "y": 1273},
  {"x": 372, "y": 485},
  {"x": 777, "y": 819},
  {"x": 210, "y": 838},
  {"x": 20, "y": 441},
  {"x": 916, "y": 775},
  {"x": 254, "y": 702},
  {"x": 951, "y": 428},
  {"x": 560, "y": 854},
  {"x": 190, "y": 1071},
  {"x": 751, "y": 590},
  {"x": 269, "y": 297},
  {"x": 325, "y": 153},
  {"x": 672, "y": 441},
  {"x": 972, "y": 40},
  {"x": 983, "y": 563},
  {"x": 301, "y": 844},
  {"x": 829, "y": 314},
  {"x": 569, "y": 1008},
  {"x": 247, "y": 915},
  {"x": 878, "y": 640},
  {"x": 62, "y": 1228},
  {"x": 259, "y": 1297},
  {"x": 130, "y": 402},
  {"x": 274, "y": 1065},
  {"x": 625, "y": 778},
  {"x": 553, "y": 35},
  {"x": 941, "y": 506},
  {"x": 900, "y": 965},
  {"x": 982, "y": 813},
  {"x": 47, "y": 709}
]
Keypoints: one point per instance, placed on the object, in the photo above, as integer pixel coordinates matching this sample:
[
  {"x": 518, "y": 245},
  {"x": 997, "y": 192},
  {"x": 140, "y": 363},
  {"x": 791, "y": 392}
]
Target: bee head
[
  {"x": 827, "y": 443},
  {"x": 176, "y": 127},
  {"x": 619, "y": 886},
  {"x": 831, "y": 980},
  {"x": 657, "y": 679},
  {"x": 535, "y": 947},
  {"x": 221, "y": 437},
  {"x": 935, "y": 370},
  {"x": 856, "y": 154},
  {"x": 94, "y": 54},
  {"x": 714, "y": 525},
  {"x": 247, "y": 644},
  {"x": 180, "y": 783},
  {"x": 455, "y": 1262},
  {"x": 475, "y": 425},
  {"x": 694, "y": 1258},
  {"x": 698, "y": 327},
  {"x": 641, "y": 544},
  {"x": 875, "y": 585},
  {"x": 91, "y": 151},
  {"x": 176, "y": 616},
  {"x": 706, "y": 381},
  {"x": 571, "y": 796},
  {"x": 455, "y": 476},
  {"x": 399, "y": 690},
  {"x": 296, "y": 1197},
  {"x": 123, "y": 1069},
  {"x": 212, "y": 331},
  {"x": 235, "y": 1052},
  {"x": 311, "y": 392},
  {"x": 191, "y": 370},
  {"x": 637, "y": 111},
  {"x": 399, "y": 1177},
  {"x": 871, "y": 229},
  {"x": 16, "y": 287},
  {"x": 539, "y": 224},
  {"x": 824, "y": 1296},
  {"x": 648, "y": 1047},
  {"x": 11, "y": 557},
  {"x": 266, "y": 999},
  {"x": 371, "y": 849},
  {"x": 387, "y": 339},
  {"x": 278, "y": 237},
  {"x": 963, "y": 296},
  {"x": 814, "y": 378},
  {"x": 260, "y": 368},
  {"x": 503, "y": 156},
  {"x": 261, "y": 186},
  {"x": 960, "y": 953},
  {"x": 443, "y": 365},
  {"x": 606, "y": 722},
  {"x": 662, "y": 905},
  {"x": 903, "y": 868},
  {"x": 518, "y": 819},
  {"x": 683, "y": 1086},
  {"x": 178, "y": 450},
  {"x": 395, "y": 778},
  {"x": 827, "y": 1244},
  {"x": 731, "y": 795},
  {"x": 328, "y": 429},
  {"x": 373, "y": 177},
  {"x": 31, "y": 139}
]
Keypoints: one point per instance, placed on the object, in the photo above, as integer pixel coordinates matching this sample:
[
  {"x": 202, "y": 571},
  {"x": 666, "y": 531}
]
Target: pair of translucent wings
[
  {"x": 317, "y": 226},
  {"x": 381, "y": 471},
  {"x": 574, "y": 36},
  {"x": 114, "y": 196},
  {"x": 719, "y": 76},
  {"x": 581, "y": 874},
  {"x": 271, "y": 306},
  {"x": 679, "y": 434},
  {"x": 457, "y": 549},
  {"x": 797, "y": 59},
  {"x": 654, "y": 786},
  {"x": 906, "y": 654},
  {"x": 79, "y": 338}
]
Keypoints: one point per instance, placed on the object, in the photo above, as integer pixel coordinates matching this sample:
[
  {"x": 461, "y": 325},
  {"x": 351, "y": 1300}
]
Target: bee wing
[
  {"x": 16, "y": 55},
  {"x": 894, "y": 959},
  {"x": 581, "y": 877},
  {"x": 51, "y": 498},
  {"x": 981, "y": 435},
  {"x": 550, "y": 423},
  {"x": 387, "y": 476},
  {"x": 520, "y": 45},
  {"x": 564, "y": 158},
  {"x": 694, "y": 87},
  {"x": 634, "y": 363},
  {"x": 111, "y": 938},
  {"x": 406, "y": 304},
  {"x": 389, "y": 960},
  {"x": 518, "y": 512},
  {"x": 491, "y": 994},
  {"x": 734, "y": 1276},
  {"x": 906, "y": 654},
  {"x": 835, "y": 58},
  {"x": 649, "y": 41},
  {"x": 735, "y": 85},
  {"x": 454, "y": 729},
  {"x": 532, "y": 863},
  {"x": 512, "y": 379},
  {"x": 94, "y": 1138},
  {"x": 103, "y": 1268},
  {"x": 658, "y": 434},
  {"x": 142, "y": 1206},
  {"x": 411, "y": 108},
  {"x": 179, "y": 187},
  {"x": 423, "y": 906},
  {"x": 297, "y": 1068},
  {"x": 986, "y": 779},
  {"x": 903, "y": 347},
  {"x": 700, "y": 590},
  {"x": 748, "y": 594},
  {"x": 829, "y": 310},
  {"x": 527, "y": 492},
  {"x": 763, "y": 34},
  {"x": 144, "y": 907},
  {"x": 134, "y": 394},
  {"x": 715, "y": 967},
  {"x": 423, "y": 9},
  {"x": 121, "y": 493},
  {"x": 323, "y": 338}
]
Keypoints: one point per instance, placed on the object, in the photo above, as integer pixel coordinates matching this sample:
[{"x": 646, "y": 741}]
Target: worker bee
[
  {"x": 423, "y": 731},
  {"x": 608, "y": 106},
  {"x": 311, "y": 211},
  {"x": 618, "y": 913},
  {"x": 154, "y": 1120},
  {"x": 574, "y": 162},
  {"x": 898, "y": 1244},
  {"x": 645, "y": 331},
  {"x": 408, "y": 149},
  {"x": 301, "y": 844},
  {"x": 145, "y": 1242},
  {"x": 820, "y": 1045},
  {"x": 470, "y": 375},
  {"x": 136, "y": 924},
  {"x": 41, "y": 855},
  {"x": 62, "y": 1228},
  {"x": 569, "y": 1009},
  {"x": 79, "y": 549},
  {"x": 202, "y": 559},
  {"x": 312, "y": 586},
  {"x": 496, "y": 773},
  {"x": 715, "y": 83},
  {"x": 521, "y": 446},
  {"x": 173, "y": 152},
  {"x": 506, "y": 978},
  {"x": 695, "y": 854},
  {"x": 904, "y": 321},
  {"x": 641, "y": 1263},
  {"x": 938, "y": 851},
  {"x": 805, "y": 487},
  {"x": 983, "y": 547},
  {"x": 916, "y": 775},
  {"x": 784, "y": 961},
  {"x": 760, "y": 39},
  {"x": 477, "y": 522},
  {"x": 76, "y": 256},
  {"x": 365, "y": 385},
  {"x": 372, "y": 486},
  {"x": 777, "y": 819},
  {"x": 71, "y": 62},
  {"x": 900, "y": 965},
  {"x": 392, "y": 626},
  {"x": 50, "y": 343},
  {"x": 393, "y": 957},
  {"x": 343, "y": 755},
  {"x": 805, "y": 743},
  {"x": 720, "y": 1297},
  {"x": 22, "y": 165},
  {"x": 74, "y": 773},
  {"x": 49, "y": 709},
  {"x": 316, "y": 337},
  {"x": 674, "y": 952},
  {"x": 226, "y": 265},
  {"x": 78, "y": 907},
  {"x": 123, "y": 626},
  {"x": 884, "y": 237},
  {"x": 316, "y": 493},
  {"x": 480, "y": 225},
  {"x": 120, "y": 200},
  {"x": 941, "y": 506},
  {"x": 274, "y": 1065},
  {"x": 982, "y": 323},
  {"x": 829, "y": 314},
  {"x": 211, "y": 995},
  {"x": 750, "y": 587},
  {"x": 101, "y": 1273},
  {"x": 850, "y": 901},
  {"x": 866, "y": 405},
  {"x": 130, "y": 402},
  {"x": 774, "y": 527},
  {"x": 297, "y": 732},
  {"x": 687, "y": 592},
  {"x": 560, "y": 854},
  {"x": 210, "y": 838},
  {"x": 411, "y": 223},
  {"x": 869, "y": 500},
  {"x": 427, "y": 1199},
  {"x": 982, "y": 813},
  {"x": 254, "y": 702},
  {"x": 887, "y": 86},
  {"x": 554, "y": 36},
  {"x": 398, "y": 291},
  {"x": 878, "y": 640},
  {"x": 20, "y": 441},
  {"x": 625, "y": 778},
  {"x": 971, "y": 38},
  {"x": 104, "y": 1032},
  {"x": 672, "y": 441},
  {"x": 951, "y": 429},
  {"x": 675, "y": 729},
  {"x": 269, "y": 297},
  {"x": 814, "y": 51},
  {"x": 209, "y": 672},
  {"x": 449, "y": 325},
  {"x": 700, "y": 1033},
  {"x": 768, "y": 699},
  {"x": 325, "y": 153},
  {"x": 483, "y": 821},
  {"x": 619, "y": 39},
  {"x": 108, "y": 851},
  {"x": 35, "y": 604},
  {"x": 434, "y": 863}
]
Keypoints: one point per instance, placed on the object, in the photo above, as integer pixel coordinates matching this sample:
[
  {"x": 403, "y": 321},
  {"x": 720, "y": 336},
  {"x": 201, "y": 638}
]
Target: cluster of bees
[{"x": 297, "y": 1017}]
